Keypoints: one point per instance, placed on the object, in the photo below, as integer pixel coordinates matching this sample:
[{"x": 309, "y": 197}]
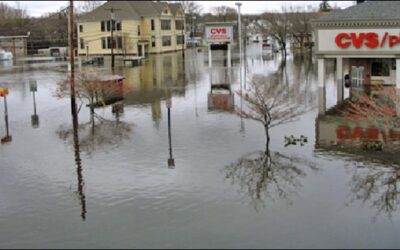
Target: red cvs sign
[
  {"x": 216, "y": 31},
  {"x": 219, "y": 34},
  {"x": 368, "y": 39}
]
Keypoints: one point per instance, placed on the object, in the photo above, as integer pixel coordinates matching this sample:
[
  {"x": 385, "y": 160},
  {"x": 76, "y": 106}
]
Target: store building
[
  {"x": 364, "y": 42},
  {"x": 15, "y": 44},
  {"x": 139, "y": 28}
]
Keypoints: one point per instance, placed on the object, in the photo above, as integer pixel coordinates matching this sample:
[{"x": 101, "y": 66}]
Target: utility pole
[
  {"x": 240, "y": 41},
  {"x": 71, "y": 65},
  {"x": 183, "y": 38},
  {"x": 112, "y": 24}
]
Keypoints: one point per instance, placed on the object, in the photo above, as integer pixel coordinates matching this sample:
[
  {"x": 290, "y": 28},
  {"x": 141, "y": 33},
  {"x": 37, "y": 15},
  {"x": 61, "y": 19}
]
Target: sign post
[
  {"x": 3, "y": 93},
  {"x": 219, "y": 33},
  {"x": 171, "y": 160},
  {"x": 34, "y": 117}
]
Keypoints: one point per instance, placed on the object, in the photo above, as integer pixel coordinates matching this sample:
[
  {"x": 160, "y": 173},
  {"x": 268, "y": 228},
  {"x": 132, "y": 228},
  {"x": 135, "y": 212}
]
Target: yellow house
[{"x": 139, "y": 28}]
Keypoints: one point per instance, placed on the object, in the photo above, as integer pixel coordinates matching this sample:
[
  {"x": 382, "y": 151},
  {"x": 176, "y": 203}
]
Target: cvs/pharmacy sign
[{"x": 219, "y": 33}]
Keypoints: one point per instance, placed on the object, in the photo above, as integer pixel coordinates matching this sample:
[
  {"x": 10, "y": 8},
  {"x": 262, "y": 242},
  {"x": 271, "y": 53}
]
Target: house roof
[
  {"x": 369, "y": 10},
  {"x": 123, "y": 11},
  {"x": 144, "y": 8},
  {"x": 160, "y": 6},
  {"x": 175, "y": 7},
  {"x": 130, "y": 10}
]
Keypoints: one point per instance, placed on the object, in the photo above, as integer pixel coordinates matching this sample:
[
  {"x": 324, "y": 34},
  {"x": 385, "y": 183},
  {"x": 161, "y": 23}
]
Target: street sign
[
  {"x": 169, "y": 103},
  {"x": 33, "y": 85},
  {"x": 4, "y": 92},
  {"x": 220, "y": 33}
]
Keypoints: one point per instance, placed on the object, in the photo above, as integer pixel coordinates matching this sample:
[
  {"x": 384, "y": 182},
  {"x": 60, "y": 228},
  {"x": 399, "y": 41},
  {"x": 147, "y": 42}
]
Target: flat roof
[
  {"x": 369, "y": 10},
  {"x": 13, "y": 37}
]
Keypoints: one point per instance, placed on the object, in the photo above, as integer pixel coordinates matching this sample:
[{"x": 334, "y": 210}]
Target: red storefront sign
[
  {"x": 219, "y": 33},
  {"x": 366, "y": 134},
  {"x": 367, "y": 39}
]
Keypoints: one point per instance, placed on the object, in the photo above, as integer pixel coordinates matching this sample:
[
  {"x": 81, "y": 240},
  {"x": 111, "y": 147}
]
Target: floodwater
[{"x": 119, "y": 187}]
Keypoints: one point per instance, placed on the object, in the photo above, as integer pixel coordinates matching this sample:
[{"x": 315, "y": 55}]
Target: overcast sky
[{"x": 37, "y": 8}]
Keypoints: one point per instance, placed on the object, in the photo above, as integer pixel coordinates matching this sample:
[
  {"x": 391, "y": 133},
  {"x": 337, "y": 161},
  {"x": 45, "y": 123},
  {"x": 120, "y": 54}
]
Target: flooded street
[{"x": 118, "y": 188}]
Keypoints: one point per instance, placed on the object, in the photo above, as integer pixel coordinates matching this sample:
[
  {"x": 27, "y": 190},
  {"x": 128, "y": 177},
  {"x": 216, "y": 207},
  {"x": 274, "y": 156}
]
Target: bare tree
[
  {"x": 300, "y": 24},
  {"x": 225, "y": 13},
  {"x": 88, "y": 6},
  {"x": 278, "y": 27},
  {"x": 380, "y": 108},
  {"x": 93, "y": 89},
  {"x": 271, "y": 102},
  {"x": 191, "y": 9},
  {"x": 324, "y": 6}
]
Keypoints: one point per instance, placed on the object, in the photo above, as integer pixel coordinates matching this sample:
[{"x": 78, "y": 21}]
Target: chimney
[{"x": 360, "y": 1}]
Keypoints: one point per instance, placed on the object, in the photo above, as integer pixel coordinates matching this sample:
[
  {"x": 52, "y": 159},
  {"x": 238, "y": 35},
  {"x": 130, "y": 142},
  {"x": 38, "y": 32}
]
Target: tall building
[{"x": 139, "y": 28}]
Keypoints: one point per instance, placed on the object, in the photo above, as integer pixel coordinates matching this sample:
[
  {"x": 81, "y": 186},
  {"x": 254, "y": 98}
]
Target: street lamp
[
  {"x": 240, "y": 41},
  {"x": 193, "y": 28}
]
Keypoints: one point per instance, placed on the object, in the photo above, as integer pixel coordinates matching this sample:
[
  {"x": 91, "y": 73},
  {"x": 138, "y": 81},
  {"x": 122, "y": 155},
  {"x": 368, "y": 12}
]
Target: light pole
[
  {"x": 193, "y": 29},
  {"x": 112, "y": 24},
  {"x": 112, "y": 39},
  {"x": 240, "y": 42},
  {"x": 183, "y": 38},
  {"x": 171, "y": 160}
]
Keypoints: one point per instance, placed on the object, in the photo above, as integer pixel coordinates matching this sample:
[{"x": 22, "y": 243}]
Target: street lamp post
[
  {"x": 112, "y": 26},
  {"x": 193, "y": 29},
  {"x": 112, "y": 39},
  {"x": 240, "y": 42},
  {"x": 183, "y": 38}
]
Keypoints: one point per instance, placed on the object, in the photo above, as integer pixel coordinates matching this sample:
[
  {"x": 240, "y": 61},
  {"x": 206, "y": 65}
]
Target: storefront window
[{"x": 380, "y": 68}]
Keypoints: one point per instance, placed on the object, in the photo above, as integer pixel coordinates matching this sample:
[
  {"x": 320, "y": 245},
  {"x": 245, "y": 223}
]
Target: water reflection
[
  {"x": 7, "y": 138},
  {"x": 101, "y": 135},
  {"x": 379, "y": 187},
  {"x": 78, "y": 162},
  {"x": 35, "y": 116},
  {"x": 365, "y": 129},
  {"x": 160, "y": 76},
  {"x": 267, "y": 175}
]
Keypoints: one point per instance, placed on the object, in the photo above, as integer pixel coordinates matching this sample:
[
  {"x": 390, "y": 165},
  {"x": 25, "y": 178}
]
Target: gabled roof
[
  {"x": 160, "y": 6},
  {"x": 144, "y": 8},
  {"x": 130, "y": 10},
  {"x": 369, "y": 10},
  {"x": 123, "y": 11},
  {"x": 174, "y": 7}
]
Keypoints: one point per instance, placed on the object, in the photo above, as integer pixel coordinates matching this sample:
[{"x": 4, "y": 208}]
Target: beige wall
[{"x": 92, "y": 36}]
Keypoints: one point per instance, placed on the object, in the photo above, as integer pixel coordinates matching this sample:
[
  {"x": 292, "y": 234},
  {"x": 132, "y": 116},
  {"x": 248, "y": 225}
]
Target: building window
[
  {"x": 179, "y": 39},
  {"x": 119, "y": 42},
  {"x": 165, "y": 24},
  {"x": 166, "y": 41},
  {"x": 82, "y": 43},
  {"x": 80, "y": 28},
  {"x": 380, "y": 68},
  {"x": 106, "y": 42},
  {"x": 153, "y": 41},
  {"x": 152, "y": 24},
  {"x": 138, "y": 30},
  {"x": 117, "y": 25},
  {"x": 179, "y": 24}
]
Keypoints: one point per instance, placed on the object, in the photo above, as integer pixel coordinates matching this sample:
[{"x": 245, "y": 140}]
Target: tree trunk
[
  {"x": 268, "y": 138},
  {"x": 284, "y": 51}
]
